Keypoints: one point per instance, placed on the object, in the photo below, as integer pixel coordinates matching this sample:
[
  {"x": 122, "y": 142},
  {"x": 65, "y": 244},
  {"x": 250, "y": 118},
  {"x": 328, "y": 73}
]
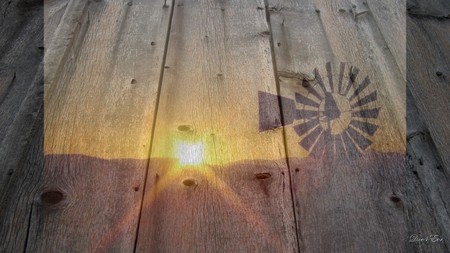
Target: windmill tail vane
[{"x": 269, "y": 113}]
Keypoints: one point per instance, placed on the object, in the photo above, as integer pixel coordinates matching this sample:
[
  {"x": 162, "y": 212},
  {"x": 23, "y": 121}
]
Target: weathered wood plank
[
  {"x": 53, "y": 13},
  {"x": 20, "y": 192},
  {"x": 100, "y": 96},
  {"x": 429, "y": 215},
  {"x": 21, "y": 87},
  {"x": 434, "y": 8},
  {"x": 21, "y": 37},
  {"x": 345, "y": 200},
  {"x": 21, "y": 113},
  {"x": 428, "y": 72},
  {"x": 215, "y": 183},
  {"x": 391, "y": 20}
]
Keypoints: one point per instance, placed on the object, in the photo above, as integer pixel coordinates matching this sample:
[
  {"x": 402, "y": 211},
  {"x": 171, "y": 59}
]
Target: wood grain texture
[
  {"x": 53, "y": 13},
  {"x": 358, "y": 43},
  {"x": 428, "y": 72},
  {"x": 21, "y": 35},
  {"x": 21, "y": 114},
  {"x": 218, "y": 59},
  {"x": 100, "y": 94},
  {"x": 19, "y": 193},
  {"x": 430, "y": 215},
  {"x": 435, "y": 8},
  {"x": 393, "y": 13},
  {"x": 153, "y": 142},
  {"x": 344, "y": 204}
]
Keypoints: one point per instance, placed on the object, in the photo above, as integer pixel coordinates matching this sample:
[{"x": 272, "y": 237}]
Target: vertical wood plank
[
  {"x": 391, "y": 12},
  {"x": 429, "y": 70},
  {"x": 53, "y": 13},
  {"x": 352, "y": 190},
  {"x": 100, "y": 97},
  {"x": 21, "y": 39},
  {"x": 20, "y": 193},
  {"x": 21, "y": 86},
  {"x": 429, "y": 215},
  {"x": 215, "y": 183}
]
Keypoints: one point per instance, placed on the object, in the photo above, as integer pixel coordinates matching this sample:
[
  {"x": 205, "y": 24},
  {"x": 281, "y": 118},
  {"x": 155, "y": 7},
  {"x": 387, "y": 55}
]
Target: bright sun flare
[{"x": 190, "y": 153}]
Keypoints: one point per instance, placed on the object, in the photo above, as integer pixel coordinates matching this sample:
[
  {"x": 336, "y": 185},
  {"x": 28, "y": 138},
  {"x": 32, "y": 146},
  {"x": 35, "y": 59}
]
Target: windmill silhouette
[{"x": 330, "y": 119}]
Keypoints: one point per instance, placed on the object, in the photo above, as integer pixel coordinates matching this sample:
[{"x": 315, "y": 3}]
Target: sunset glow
[{"x": 190, "y": 153}]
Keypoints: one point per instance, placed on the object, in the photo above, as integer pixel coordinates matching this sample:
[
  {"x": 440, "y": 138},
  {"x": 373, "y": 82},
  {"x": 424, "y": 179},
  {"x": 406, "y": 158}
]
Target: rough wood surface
[
  {"x": 343, "y": 204},
  {"x": 429, "y": 215},
  {"x": 100, "y": 94},
  {"x": 21, "y": 88},
  {"x": 429, "y": 69},
  {"x": 135, "y": 90},
  {"x": 19, "y": 194},
  {"x": 218, "y": 59},
  {"x": 21, "y": 41},
  {"x": 393, "y": 13},
  {"x": 53, "y": 13}
]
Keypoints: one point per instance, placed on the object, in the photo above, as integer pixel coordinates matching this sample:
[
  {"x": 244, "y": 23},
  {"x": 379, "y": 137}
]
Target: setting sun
[{"x": 190, "y": 153}]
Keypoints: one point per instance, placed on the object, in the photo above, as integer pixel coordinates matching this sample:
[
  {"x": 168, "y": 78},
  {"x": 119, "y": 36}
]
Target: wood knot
[
  {"x": 261, "y": 176},
  {"x": 136, "y": 188},
  {"x": 395, "y": 199},
  {"x": 52, "y": 197},
  {"x": 185, "y": 128},
  {"x": 189, "y": 182}
]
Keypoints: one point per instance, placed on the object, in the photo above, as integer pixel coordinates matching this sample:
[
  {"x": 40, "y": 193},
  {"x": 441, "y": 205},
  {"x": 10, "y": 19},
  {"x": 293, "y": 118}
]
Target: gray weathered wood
[
  {"x": 347, "y": 205},
  {"x": 391, "y": 21},
  {"x": 21, "y": 37},
  {"x": 53, "y": 13},
  {"x": 19, "y": 194},
  {"x": 101, "y": 83},
  {"x": 219, "y": 57},
  {"x": 429, "y": 214},
  {"x": 21, "y": 87},
  {"x": 428, "y": 70}
]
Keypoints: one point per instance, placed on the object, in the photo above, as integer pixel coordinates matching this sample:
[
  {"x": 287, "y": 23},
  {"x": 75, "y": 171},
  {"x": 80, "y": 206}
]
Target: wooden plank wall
[
  {"x": 127, "y": 83},
  {"x": 98, "y": 123},
  {"x": 21, "y": 111},
  {"x": 236, "y": 202}
]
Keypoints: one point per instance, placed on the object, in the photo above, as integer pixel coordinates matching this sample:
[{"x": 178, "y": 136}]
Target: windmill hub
[{"x": 335, "y": 113}]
